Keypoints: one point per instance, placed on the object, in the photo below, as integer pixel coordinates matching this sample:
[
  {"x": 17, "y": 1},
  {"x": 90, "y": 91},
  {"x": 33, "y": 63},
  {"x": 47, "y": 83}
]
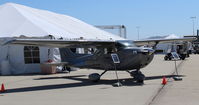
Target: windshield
[{"x": 125, "y": 43}]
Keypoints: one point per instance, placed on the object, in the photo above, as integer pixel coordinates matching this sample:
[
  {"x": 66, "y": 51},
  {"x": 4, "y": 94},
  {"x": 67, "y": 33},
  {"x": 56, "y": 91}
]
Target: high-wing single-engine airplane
[{"x": 107, "y": 55}]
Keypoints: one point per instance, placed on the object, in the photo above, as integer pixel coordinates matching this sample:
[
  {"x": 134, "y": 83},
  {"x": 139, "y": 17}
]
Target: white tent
[
  {"x": 17, "y": 20},
  {"x": 165, "y": 47}
]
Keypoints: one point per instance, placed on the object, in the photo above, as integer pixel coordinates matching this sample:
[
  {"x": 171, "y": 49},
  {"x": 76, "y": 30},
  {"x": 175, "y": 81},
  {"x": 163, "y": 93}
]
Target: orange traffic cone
[
  {"x": 164, "y": 81},
  {"x": 2, "y": 88}
]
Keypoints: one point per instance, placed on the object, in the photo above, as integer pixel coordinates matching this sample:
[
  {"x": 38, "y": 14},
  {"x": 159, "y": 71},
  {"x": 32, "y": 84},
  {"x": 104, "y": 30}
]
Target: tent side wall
[{"x": 14, "y": 55}]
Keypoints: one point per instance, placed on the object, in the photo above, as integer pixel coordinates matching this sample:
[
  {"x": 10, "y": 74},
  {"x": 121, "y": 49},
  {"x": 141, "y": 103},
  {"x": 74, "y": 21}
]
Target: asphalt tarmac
[
  {"x": 75, "y": 89},
  {"x": 185, "y": 92}
]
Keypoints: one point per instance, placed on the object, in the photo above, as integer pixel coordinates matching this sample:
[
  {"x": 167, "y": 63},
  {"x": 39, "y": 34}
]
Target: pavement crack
[{"x": 162, "y": 87}]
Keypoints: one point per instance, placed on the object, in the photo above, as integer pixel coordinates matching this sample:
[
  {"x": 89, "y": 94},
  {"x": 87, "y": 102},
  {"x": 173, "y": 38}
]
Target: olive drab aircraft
[{"x": 106, "y": 55}]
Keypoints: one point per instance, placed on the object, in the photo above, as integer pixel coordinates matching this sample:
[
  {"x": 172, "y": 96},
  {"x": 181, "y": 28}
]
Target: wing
[
  {"x": 63, "y": 43},
  {"x": 87, "y": 43},
  {"x": 153, "y": 42}
]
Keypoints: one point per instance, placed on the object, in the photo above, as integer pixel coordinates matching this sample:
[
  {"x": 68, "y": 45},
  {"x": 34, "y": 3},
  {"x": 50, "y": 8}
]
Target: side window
[{"x": 31, "y": 54}]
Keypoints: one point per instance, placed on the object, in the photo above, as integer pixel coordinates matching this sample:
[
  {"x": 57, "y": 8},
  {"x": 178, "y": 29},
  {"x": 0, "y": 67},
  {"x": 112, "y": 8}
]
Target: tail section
[{"x": 67, "y": 54}]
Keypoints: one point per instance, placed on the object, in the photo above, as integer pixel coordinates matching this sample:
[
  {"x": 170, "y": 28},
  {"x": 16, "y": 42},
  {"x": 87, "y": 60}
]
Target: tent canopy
[{"x": 19, "y": 20}]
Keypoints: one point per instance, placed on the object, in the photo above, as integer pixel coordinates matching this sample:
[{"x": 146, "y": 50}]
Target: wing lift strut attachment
[{"x": 156, "y": 43}]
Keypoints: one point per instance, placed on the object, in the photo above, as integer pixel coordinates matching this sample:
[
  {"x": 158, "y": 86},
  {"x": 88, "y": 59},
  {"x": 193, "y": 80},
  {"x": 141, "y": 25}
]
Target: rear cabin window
[{"x": 31, "y": 54}]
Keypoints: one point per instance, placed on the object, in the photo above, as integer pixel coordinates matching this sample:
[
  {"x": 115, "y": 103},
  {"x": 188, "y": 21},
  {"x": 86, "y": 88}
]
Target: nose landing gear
[{"x": 137, "y": 75}]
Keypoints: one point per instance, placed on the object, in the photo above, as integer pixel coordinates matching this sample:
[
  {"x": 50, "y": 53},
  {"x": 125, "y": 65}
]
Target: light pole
[
  {"x": 193, "y": 20},
  {"x": 138, "y": 31}
]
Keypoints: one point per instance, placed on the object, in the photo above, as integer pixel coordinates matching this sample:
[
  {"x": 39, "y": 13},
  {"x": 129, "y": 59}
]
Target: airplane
[{"x": 107, "y": 55}]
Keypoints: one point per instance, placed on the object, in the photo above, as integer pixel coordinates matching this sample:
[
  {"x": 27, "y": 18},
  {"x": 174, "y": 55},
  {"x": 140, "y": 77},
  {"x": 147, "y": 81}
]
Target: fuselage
[{"x": 130, "y": 56}]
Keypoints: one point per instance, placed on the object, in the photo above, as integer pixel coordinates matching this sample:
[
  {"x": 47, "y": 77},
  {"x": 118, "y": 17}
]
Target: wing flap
[{"x": 63, "y": 43}]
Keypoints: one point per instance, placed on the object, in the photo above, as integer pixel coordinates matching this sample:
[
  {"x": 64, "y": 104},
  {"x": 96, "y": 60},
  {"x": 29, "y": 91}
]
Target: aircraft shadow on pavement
[
  {"x": 160, "y": 77},
  {"x": 82, "y": 82}
]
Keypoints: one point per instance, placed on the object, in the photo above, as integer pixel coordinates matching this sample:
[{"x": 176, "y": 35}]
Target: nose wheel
[{"x": 137, "y": 75}]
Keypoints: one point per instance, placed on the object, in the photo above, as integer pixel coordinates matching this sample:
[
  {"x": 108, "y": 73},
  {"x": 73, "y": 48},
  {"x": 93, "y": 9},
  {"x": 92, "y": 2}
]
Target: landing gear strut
[{"x": 137, "y": 75}]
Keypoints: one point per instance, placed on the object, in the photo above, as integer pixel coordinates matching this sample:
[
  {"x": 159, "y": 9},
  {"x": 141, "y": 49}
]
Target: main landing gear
[
  {"x": 137, "y": 75},
  {"x": 95, "y": 77}
]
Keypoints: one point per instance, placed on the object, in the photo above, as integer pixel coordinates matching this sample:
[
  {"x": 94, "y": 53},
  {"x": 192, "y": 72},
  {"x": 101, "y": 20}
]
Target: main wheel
[{"x": 95, "y": 77}]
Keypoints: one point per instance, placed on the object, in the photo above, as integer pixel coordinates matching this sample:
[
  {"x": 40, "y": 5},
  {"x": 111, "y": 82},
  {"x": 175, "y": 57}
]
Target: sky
[{"x": 153, "y": 17}]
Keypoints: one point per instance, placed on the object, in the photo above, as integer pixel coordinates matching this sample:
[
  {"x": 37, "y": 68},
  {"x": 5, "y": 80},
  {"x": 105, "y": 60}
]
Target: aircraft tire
[
  {"x": 95, "y": 77},
  {"x": 140, "y": 81},
  {"x": 138, "y": 76}
]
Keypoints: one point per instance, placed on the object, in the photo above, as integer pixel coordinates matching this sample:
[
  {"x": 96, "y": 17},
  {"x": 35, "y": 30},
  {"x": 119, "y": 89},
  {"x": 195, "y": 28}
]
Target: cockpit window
[{"x": 126, "y": 43}]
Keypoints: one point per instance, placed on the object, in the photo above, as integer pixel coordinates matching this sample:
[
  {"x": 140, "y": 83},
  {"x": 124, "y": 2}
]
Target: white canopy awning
[{"x": 16, "y": 20}]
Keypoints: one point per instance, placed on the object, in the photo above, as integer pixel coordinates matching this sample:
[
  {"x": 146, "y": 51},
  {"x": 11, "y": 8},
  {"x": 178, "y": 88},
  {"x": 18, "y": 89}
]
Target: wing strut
[{"x": 156, "y": 43}]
